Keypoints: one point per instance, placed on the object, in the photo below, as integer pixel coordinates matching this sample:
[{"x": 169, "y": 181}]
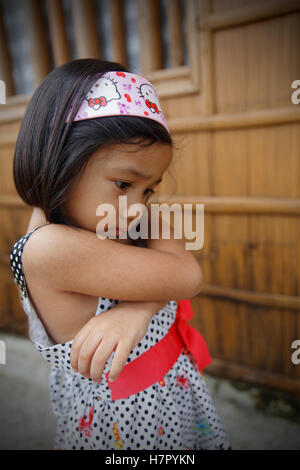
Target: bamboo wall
[{"x": 230, "y": 111}]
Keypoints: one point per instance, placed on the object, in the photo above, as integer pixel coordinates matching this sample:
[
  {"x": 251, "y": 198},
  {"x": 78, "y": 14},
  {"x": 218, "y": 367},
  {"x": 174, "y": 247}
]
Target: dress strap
[
  {"x": 29, "y": 233},
  {"x": 16, "y": 260}
]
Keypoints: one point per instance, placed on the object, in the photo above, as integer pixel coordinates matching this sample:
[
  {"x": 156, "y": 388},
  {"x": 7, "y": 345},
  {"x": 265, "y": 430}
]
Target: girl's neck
[{"x": 37, "y": 218}]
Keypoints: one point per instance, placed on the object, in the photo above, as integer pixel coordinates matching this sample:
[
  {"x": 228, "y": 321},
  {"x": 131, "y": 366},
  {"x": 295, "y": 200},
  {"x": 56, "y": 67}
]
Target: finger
[
  {"x": 100, "y": 357},
  {"x": 120, "y": 357},
  {"x": 76, "y": 345},
  {"x": 87, "y": 352}
]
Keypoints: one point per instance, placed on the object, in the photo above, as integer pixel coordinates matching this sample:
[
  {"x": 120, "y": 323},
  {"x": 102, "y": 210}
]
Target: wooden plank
[
  {"x": 251, "y": 297},
  {"x": 118, "y": 35},
  {"x": 192, "y": 8},
  {"x": 249, "y": 13},
  {"x": 39, "y": 50},
  {"x": 213, "y": 204},
  {"x": 235, "y": 371},
  {"x": 208, "y": 104},
  {"x": 174, "y": 23},
  {"x": 257, "y": 118},
  {"x": 270, "y": 48},
  {"x": 5, "y": 60},
  {"x": 238, "y": 205},
  {"x": 190, "y": 123},
  {"x": 58, "y": 34},
  {"x": 150, "y": 34},
  {"x": 85, "y": 28}
]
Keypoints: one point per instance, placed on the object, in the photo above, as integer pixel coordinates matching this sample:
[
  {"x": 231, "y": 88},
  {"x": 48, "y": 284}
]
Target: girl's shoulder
[
  {"x": 51, "y": 249},
  {"x": 50, "y": 238}
]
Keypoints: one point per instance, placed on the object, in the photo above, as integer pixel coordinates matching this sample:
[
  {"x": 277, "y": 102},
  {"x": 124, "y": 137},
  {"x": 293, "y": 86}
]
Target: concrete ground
[{"x": 254, "y": 418}]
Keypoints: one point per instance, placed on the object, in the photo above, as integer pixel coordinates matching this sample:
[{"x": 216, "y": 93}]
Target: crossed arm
[
  {"x": 109, "y": 332},
  {"x": 38, "y": 218}
]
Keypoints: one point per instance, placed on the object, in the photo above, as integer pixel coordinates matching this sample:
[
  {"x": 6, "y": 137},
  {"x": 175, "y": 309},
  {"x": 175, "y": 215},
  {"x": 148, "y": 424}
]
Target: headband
[{"x": 121, "y": 94}]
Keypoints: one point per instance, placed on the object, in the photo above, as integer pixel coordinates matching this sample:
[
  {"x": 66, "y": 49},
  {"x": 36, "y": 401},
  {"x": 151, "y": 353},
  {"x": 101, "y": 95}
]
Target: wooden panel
[
  {"x": 39, "y": 49},
  {"x": 274, "y": 166},
  {"x": 270, "y": 49},
  {"x": 193, "y": 164},
  {"x": 246, "y": 12},
  {"x": 174, "y": 19},
  {"x": 85, "y": 28},
  {"x": 150, "y": 33},
  {"x": 58, "y": 34},
  {"x": 118, "y": 41},
  {"x": 253, "y": 12},
  {"x": 219, "y": 6}
]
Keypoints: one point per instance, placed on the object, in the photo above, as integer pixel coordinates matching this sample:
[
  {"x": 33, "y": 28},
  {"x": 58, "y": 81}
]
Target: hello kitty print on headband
[{"x": 120, "y": 94}]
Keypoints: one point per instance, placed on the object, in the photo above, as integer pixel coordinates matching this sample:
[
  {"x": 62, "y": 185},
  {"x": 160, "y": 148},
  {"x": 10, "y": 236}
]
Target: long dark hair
[{"x": 50, "y": 153}]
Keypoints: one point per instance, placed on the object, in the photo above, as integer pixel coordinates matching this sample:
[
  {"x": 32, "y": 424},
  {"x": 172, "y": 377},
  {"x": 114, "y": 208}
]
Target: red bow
[
  {"x": 154, "y": 364},
  {"x": 102, "y": 101},
  {"x": 152, "y": 105},
  {"x": 191, "y": 337}
]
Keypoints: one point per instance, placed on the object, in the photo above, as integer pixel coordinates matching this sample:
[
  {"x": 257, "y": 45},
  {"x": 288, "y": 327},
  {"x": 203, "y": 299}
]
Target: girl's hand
[{"x": 119, "y": 329}]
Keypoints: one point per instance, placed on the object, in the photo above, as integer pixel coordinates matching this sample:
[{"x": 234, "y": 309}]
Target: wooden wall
[{"x": 230, "y": 113}]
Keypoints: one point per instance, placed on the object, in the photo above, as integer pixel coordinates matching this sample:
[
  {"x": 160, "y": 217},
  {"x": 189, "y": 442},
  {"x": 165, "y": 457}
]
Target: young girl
[{"x": 103, "y": 309}]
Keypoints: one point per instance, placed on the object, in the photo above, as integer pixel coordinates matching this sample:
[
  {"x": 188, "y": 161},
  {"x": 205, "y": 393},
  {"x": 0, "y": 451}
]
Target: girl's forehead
[{"x": 135, "y": 155}]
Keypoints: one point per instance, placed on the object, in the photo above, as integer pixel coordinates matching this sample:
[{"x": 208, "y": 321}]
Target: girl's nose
[{"x": 131, "y": 213}]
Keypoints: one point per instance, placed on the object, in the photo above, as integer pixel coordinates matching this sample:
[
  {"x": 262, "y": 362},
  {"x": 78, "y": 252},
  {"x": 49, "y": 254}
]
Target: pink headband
[{"x": 121, "y": 93}]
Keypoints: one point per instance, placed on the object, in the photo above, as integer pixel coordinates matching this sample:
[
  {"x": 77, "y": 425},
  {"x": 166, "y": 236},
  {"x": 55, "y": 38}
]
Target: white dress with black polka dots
[{"x": 174, "y": 413}]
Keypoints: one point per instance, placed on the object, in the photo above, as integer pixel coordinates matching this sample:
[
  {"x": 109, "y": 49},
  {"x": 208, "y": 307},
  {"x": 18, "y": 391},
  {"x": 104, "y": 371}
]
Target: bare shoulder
[
  {"x": 50, "y": 245},
  {"x": 54, "y": 242},
  {"x": 47, "y": 238},
  {"x": 55, "y": 252}
]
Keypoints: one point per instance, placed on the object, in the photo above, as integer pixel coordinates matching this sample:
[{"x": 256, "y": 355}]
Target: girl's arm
[
  {"x": 38, "y": 218},
  {"x": 170, "y": 245},
  {"x": 75, "y": 260},
  {"x": 119, "y": 329}
]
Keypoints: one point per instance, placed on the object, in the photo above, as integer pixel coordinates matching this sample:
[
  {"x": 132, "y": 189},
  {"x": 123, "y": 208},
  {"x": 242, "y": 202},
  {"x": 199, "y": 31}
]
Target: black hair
[{"x": 50, "y": 153}]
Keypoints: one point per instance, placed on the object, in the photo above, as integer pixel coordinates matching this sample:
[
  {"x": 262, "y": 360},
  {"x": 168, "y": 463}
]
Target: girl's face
[{"x": 113, "y": 171}]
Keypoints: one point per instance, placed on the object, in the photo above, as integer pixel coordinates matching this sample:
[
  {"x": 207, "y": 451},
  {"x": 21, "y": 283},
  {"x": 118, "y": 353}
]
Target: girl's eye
[
  {"x": 123, "y": 183},
  {"x": 150, "y": 190}
]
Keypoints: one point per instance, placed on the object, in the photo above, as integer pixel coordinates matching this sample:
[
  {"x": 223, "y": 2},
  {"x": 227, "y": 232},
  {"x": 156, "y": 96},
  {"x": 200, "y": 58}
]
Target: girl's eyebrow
[{"x": 133, "y": 171}]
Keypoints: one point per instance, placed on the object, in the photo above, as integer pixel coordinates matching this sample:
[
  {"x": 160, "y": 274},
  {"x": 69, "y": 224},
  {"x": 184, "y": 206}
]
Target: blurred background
[{"x": 224, "y": 71}]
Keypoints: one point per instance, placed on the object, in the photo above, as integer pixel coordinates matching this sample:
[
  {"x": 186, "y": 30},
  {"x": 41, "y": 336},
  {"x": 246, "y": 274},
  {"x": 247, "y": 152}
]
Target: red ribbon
[
  {"x": 101, "y": 101},
  {"x": 154, "y": 364},
  {"x": 152, "y": 105}
]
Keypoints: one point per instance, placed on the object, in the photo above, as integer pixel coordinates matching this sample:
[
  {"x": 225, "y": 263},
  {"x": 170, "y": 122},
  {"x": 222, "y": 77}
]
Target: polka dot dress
[{"x": 175, "y": 413}]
